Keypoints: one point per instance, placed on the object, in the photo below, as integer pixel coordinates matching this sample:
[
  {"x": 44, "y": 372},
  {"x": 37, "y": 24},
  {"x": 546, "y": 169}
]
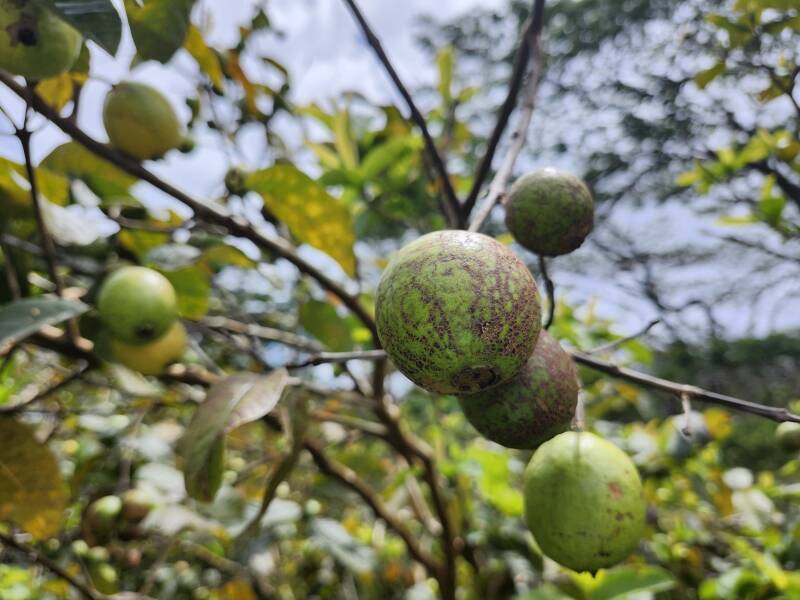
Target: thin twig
[
  {"x": 31, "y": 553},
  {"x": 617, "y": 343},
  {"x": 321, "y": 358},
  {"x": 10, "y": 271},
  {"x": 529, "y": 47},
  {"x": 550, "y": 289},
  {"x": 497, "y": 189},
  {"x": 235, "y": 225},
  {"x": 452, "y": 205}
]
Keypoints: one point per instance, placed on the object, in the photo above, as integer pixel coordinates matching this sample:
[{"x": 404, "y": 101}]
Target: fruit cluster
[
  {"x": 459, "y": 313},
  {"x": 139, "y": 309}
]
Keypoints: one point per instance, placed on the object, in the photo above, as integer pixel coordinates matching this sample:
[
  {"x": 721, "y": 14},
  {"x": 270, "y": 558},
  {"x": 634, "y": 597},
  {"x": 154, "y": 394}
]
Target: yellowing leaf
[
  {"x": 56, "y": 91},
  {"x": 32, "y": 494},
  {"x": 314, "y": 216},
  {"x": 238, "y": 589},
  {"x": 205, "y": 56}
]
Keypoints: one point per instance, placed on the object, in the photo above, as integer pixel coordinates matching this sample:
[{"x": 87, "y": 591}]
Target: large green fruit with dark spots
[
  {"x": 457, "y": 312},
  {"x": 583, "y": 501},
  {"x": 533, "y": 406},
  {"x": 34, "y": 42},
  {"x": 140, "y": 121},
  {"x": 137, "y": 305},
  {"x": 549, "y": 212}
]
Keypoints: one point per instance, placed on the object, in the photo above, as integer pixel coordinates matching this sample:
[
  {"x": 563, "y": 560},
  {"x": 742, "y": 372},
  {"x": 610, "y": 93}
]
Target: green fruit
[
  {"x": 536, "y": 404},
  {"x": 136, "y": 505},
  {"x": 34, "y": 42},
  {"x": 583, "y": 501},
  {"x": 104, "y": 578},
  {"x": 549, "y": 212},
  {"x": 137, "y": 305},
  {"x": 788, "y": 436},
  {"x": 155, "y": 357},
  {"x": 102, "y": 514},
  {"x": 457, "y": 312},
  {"x": 140, "y": 121}
]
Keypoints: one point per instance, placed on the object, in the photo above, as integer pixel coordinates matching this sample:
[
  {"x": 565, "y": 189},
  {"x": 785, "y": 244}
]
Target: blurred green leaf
[
  {"x": 159, "y": 27},
  {"x": 322, "y": 321},
  {"x": 706, "y": 76},
  {"x": 103, "y": 178},
  {"x": 445, "y": 61},
  {"x": 21, "y": 318},
  {"x": 623, "y": 582},
  {"x": 97, "y": 20},
  {"x": 193, "y": 288},
  {"x": 206, "y": 58}
]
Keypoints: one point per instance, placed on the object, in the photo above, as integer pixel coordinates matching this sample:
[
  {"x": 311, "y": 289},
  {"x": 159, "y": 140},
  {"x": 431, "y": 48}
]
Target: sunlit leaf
[
  {"x": 313, "y": 216},
  {"x": 193, "y": 288},
  {"x": 624, "y": 582},
  {"x": 445, "y": 60},
  {"x": 103, "y": 178},
  {"x": 56, "y": 91},
  {"x": 206, "y": 58},
  {"x": 32, "y": 493},
  {"x": 322, "y": 321},
  {"x": 706, "y": 76}
]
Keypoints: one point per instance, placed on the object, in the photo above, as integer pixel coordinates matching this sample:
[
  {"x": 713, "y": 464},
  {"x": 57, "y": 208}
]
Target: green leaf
[
  {"x": 159, "y": 27},
  {"x": 322, "y": 321},
  {"x": 97, "y": 20},
  {"x": 445, "y": 60},
  {"x": 382, "y": 157},
  {"x": 220, "y": 256},
  {"x": 622, "y": 583},
  {"x": 32, "y": 493},
  {"x": 495, "y": 480},
  {"x": 206, "y": 58},
  {"x": 313, "y": 216},
  {"x": 20, "y": 319},
  {"x": 193, "y": 288},
  {"x": 230, "y": 403},
  {"x": 706, "y": 76},
  {"x": 103, "y": 178},
  {"x": 343, "y": 140},
  {"x": 15, "y": 195}
]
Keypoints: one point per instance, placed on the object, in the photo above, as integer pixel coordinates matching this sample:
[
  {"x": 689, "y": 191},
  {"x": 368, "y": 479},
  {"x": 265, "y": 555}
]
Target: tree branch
[
  {"x": 550, "y": 288},
  {"x": 262, "y": 332},
  {"x": 233, "y": 224},
  {"x": 82, "y": 588},
  {"x": 627, "y": 338},
  {"x": 321, "y": 358},
  {"x": 452, "y": 206},
  {"x": 529, "y": 46}
]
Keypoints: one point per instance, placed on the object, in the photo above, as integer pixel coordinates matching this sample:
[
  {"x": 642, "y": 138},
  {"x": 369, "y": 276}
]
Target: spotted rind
[
  {"x": 533, "y": 406},
  {"x": 583, "y": 501},
  {"x": 457, "y": 312},
  {"x": 550, "y": 212}
]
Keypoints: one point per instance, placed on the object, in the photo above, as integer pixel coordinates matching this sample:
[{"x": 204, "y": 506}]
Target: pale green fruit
[
  {"x": 788, "y": 435},
  {"x": 34, "y": 42},
  {"x": 583, "y": 501},
  {"x": 137, "y": 305},
  {"x": 155, "y": 357},
  {"x": 140, "y": 121}
]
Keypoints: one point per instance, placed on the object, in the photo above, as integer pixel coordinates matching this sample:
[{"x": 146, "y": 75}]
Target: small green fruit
[
  {"x": 457, "y": 312},
  {"x": 136, "y": 505},
  {"x": 140, "y": 121},
  {"x": 102, "y": 515},
  {"x": 137, "y": 305},
  {"x": 34, "y": 42},
  {"x": 536, "y": 404},
  {"x": 104, "y": 578},
  {"x": 549, "y": 212},
  {"x": 788, "y": 436},
  {"x": 155, "y": 357},
  {"x": 583, "y": 501}
]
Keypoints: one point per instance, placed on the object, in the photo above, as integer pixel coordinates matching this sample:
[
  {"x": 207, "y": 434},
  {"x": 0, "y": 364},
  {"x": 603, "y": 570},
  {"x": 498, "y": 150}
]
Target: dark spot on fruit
[
  {"x": 619, "y": 517},
  {"x": 146, "y": 332},
  {"x": 615, "y": 490},
  {"x": 27, "y": 37}
]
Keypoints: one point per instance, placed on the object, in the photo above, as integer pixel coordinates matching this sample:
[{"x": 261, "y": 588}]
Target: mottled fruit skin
[
  {"x": 34, "y": 42},
  {"x": 137, "y": 305},
  {"x": 550, "y": 212},
  {"x": 533, "y": 406},
  {"x": 140, "y": 121},
  {"x": 457, "y": 312},
  {"x": 155, "y": 357},
  {"x": 583, "y": 501},
  {"x": 788, "y": 435}
]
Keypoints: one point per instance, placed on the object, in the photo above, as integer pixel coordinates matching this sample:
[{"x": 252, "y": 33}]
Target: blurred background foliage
[{"x": 683, "y": 117}]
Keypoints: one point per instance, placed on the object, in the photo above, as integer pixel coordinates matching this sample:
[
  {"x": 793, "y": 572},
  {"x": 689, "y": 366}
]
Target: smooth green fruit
[
  {"x": 155, "y": 357},
  {"x": 136, "y": 505},
  {"x": 137, "y": 305},
  {"x": 102, "y": 514},
  {"x": 788, "y": 436},
  {"x": 457, "y": 312},
  {"x": 583, "y": 501},
  {"x": 104, "y": 578},
  {"x": 533, "y": 406},
  {"x": 549, "y": 212},
  {"x": 140, "y": 121},
  {"x": 34, "y": 42}
]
